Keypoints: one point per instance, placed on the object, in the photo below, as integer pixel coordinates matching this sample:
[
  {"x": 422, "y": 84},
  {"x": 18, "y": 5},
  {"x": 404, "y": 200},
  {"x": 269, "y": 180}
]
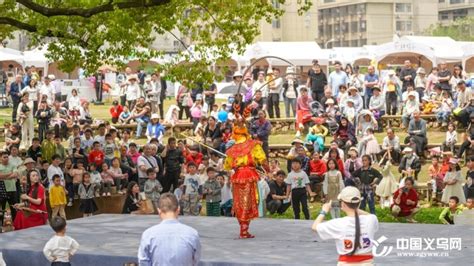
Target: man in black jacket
[
  {"x": 317, "y": 81},
  {"x": 407, "y": 75},
  {"x": 172, "y": 160}
]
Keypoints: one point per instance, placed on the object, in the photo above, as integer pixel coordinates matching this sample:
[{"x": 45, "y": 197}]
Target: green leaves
[
  {"x": 90, "y": 33},
  {"x": 460, "y": 29}
]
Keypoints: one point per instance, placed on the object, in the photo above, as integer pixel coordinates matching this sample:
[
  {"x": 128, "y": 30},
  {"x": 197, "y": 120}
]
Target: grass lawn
[{"x": 425, "y": 215}]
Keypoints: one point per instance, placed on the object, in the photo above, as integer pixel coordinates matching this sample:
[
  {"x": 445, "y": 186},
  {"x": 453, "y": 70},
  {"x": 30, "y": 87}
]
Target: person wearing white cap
[
  {"x": 411, "y": 106},
  {"x": 132, "y": 91},
  {"x": 420, "y": 81},
  {"x": 391, "y": 87},
  {"x": 410, "y": 164},
  {"x": 154, "y": 129},
  {"x": 354, "y": 234}
]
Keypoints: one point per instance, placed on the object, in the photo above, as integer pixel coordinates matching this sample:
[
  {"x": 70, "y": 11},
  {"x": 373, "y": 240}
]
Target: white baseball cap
[{"x": 349, "y": 195}]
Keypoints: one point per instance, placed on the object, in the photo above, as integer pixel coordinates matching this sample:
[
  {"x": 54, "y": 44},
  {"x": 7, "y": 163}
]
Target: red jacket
[
  {"x": 188, "y": 157},
  {"x": 96, "y": 157},
  {"x": 115, "y": 112},
  {"x": 318, "y": 167},
  {"x": 411, "y": 195}
]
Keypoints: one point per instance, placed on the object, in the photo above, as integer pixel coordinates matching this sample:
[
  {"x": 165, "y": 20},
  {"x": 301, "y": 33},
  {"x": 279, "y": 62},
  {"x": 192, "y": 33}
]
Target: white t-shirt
[
  {"x": 53, "y": 170},
  {"x": 342, "y": 230},
  {"x": 60, "y": 247}
]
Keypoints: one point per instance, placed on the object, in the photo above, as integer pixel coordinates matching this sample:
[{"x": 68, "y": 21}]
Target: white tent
[
  {"x": 468, "y": 56},
  {"x": 402, "y": 48},
  {"x": 7, "y": 54},
  {"x": 37, "y": 58},
  {"x": 445, "y": 48},
  {"x": 298, "y": 53},
  {"x": 348, "y": 55}
]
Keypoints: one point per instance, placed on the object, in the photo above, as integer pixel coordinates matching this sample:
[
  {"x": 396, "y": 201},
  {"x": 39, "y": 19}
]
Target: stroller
[{"x": 318, "y": 115}]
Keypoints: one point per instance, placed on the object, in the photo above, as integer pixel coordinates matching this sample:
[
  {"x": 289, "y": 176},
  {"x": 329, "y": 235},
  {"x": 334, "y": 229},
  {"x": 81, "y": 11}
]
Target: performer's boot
[{"x": 244, "y": 229}]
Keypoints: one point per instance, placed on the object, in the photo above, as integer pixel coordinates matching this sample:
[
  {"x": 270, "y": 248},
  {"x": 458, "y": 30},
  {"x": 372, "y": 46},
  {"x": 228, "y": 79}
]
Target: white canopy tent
[
  {"x": 298, "y": 53},
  {"x": 445, "y": 48},
  {"x": 468, "y": 57},
  {"x": 7, "y": 54},
  {"x": 404, "y": 48},
  {"x": 349, "y": 55},
  {"x": 37, "y": 58}
]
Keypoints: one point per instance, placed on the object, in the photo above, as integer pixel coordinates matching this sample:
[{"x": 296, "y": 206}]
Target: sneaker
[
  {"x": 108, "y": 194},
  {"x": 97, "y": 194},
  {"x": 69, "y": 204},
  {"x": 298, "y": 134},
  {"x": 120, "y": 192},
  {"x": 104, "y": 194}
]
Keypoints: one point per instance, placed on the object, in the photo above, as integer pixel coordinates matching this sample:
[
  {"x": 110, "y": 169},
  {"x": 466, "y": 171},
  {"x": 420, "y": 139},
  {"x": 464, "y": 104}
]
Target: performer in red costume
[{"x": 243, "y": 158}]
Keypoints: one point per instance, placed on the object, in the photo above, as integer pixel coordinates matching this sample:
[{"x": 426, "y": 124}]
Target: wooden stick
[{"x": 204, "y": 145}]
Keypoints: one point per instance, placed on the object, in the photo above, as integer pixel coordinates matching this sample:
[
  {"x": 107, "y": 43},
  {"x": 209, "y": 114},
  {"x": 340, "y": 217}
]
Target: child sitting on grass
[
  {"x": 60, "y": 248},
  {"x": 447, "y": 215}
]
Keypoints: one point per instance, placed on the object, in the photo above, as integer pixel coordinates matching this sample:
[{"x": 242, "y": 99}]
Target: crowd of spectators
[{"x": 72, "y": 156}]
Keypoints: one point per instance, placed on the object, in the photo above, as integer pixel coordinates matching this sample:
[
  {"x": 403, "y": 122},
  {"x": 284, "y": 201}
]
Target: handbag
[{"x": 189, "y": 101}]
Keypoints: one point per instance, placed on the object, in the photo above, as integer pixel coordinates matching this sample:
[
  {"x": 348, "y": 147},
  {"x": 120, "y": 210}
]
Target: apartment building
[
  {"x": 290, "y": 27},
  {"x": 351, "y": 23},
  {"x": 450, "y": 10}
]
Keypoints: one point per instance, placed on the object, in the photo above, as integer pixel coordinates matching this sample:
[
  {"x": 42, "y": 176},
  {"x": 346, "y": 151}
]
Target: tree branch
[
  {"x": 33, "y": 29},
  {"x": 89, "y": 12},
  {"x": 17, "y": 24}
]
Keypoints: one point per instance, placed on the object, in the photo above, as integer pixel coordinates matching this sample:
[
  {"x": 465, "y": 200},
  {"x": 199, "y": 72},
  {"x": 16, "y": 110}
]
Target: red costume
[{"x": 243, "y": 157}]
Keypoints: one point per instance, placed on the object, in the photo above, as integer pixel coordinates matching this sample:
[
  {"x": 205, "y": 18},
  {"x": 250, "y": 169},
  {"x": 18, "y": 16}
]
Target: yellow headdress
[{"x": 239, "y": 131}]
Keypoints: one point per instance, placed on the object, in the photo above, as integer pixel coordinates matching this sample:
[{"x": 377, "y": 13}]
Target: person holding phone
[{"x": 405, "y": 203}]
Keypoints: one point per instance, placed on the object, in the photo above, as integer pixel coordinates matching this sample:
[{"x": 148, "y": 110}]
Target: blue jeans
[
  {"x": 290, "y": 103},
  {"x": 367, "y": 96},
  {"x": 368, "y": 197},
  {"x": 140, "y": 124},
  {"x": 443, "y": 117}
]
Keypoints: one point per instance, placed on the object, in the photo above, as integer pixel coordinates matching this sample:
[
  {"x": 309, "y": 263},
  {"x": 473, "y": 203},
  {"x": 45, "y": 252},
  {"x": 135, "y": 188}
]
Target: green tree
[
  {"x": 460, "y": 29},
  {"x": 89, "y": 33}
]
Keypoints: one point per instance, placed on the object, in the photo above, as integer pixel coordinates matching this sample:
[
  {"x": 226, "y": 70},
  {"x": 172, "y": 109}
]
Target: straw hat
[
  {"x": 237, "y": 74},
  {"x": 412, "y": 93},
  {"x": 28, "y": 160},
  {"x": 297, "y": 141},
  {"x": 329, "y": 101},
  {"x": 407, "y": 150},
  {"x": 421, "y": 71},
  {"x": 135, "y": 77},
  {"x": 51, "y": 77},
  {"x": 353, "y": 88}
]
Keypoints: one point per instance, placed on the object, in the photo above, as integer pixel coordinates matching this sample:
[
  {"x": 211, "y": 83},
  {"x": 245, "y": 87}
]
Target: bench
[
  {"x": 396, "y": 120},
  {"x": 281, "y": 150}
]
